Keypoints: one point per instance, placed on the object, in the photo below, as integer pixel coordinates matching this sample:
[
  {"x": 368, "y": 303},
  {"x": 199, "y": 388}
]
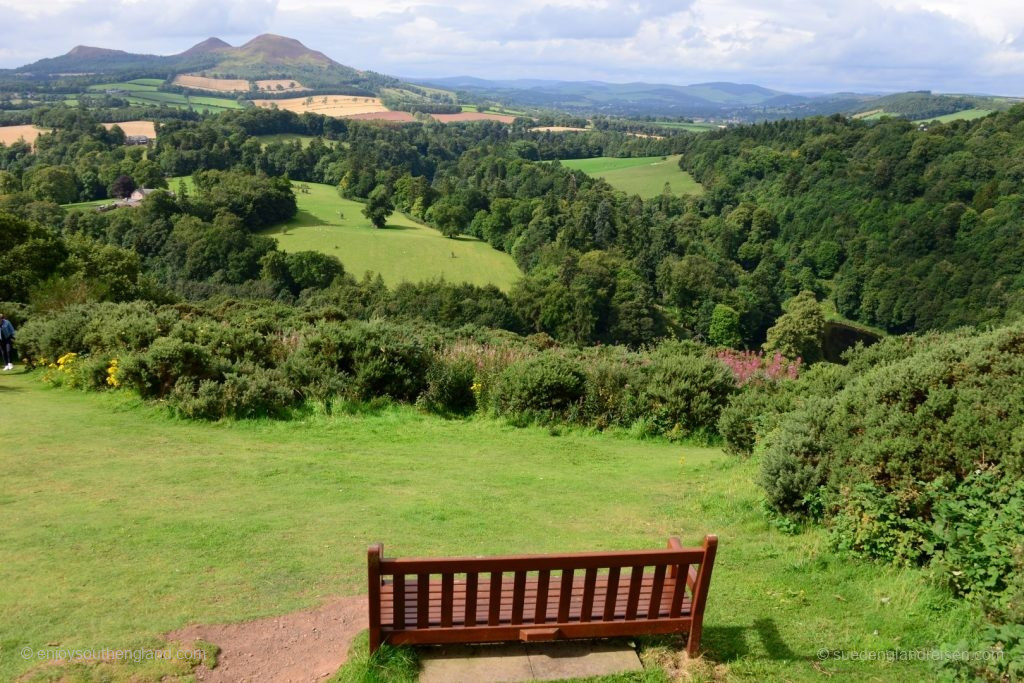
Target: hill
[{"x": 266, "y": 56}]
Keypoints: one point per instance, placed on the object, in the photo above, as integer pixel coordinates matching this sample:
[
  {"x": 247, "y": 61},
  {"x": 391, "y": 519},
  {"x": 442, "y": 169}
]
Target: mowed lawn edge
[
  {"x": 404, "y": 251},
  {"x": 121, "y": 524}
]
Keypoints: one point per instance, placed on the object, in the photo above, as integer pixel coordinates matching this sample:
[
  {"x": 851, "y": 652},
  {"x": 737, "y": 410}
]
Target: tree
[
  {"x": 725, "y": 326},
  {"x": 378, "y": 206},
  {"x": 122, "y": 187},
  {"x": 53, "y": 183},
  {"x": 800, "y": 331},
  {"x": 449, "y": 216}
]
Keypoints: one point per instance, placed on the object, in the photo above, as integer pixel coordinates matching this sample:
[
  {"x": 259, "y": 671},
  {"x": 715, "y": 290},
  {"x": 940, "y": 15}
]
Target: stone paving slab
[{"x": 525, "y": 662}]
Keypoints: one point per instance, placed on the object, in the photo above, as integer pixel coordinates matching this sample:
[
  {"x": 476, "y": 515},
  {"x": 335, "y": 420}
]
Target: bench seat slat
[{"x": 507, "y": 602}]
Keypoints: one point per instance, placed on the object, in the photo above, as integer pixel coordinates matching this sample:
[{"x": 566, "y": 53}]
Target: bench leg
[
  {"x": 374, "y": 640},
  {"x": 693, "y": 641}
]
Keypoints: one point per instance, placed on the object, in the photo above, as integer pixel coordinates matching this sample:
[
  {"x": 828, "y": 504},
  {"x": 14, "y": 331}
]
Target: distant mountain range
[
  {"x": 271, "y": 56},
  {"x": 718, "y": 100}
]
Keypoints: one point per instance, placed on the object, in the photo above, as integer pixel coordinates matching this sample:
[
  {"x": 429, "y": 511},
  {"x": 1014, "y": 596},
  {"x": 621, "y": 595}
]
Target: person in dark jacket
[{"x": 6, "y": 342}]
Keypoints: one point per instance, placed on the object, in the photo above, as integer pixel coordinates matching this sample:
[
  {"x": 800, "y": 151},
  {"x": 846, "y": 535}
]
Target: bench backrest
[{"x": 640, "y": 577}]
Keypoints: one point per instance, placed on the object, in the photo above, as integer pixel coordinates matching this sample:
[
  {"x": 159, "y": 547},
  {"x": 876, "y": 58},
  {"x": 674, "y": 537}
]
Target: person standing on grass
[{"x": 6, "y": 342}]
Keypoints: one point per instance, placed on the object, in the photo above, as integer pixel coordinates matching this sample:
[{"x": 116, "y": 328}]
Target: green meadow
[
  {"x": 645, "y": 176},
  {"x": 964, "y": 115},
  {"x": 404, "y": 251},
  {"x": 120, "y": 524}
]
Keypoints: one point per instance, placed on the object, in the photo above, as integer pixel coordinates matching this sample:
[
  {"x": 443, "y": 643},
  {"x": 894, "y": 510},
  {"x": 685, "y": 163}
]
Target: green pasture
[
  {"x": 121, "y": 524},
  {"x": 645, "y": 176},
  {"x": 964, "y": 115},
  {"x": 403, "y": 251}
]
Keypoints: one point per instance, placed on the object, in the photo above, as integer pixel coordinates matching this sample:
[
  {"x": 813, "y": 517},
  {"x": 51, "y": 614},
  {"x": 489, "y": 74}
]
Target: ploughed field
[{"x": 121, "y": 524}]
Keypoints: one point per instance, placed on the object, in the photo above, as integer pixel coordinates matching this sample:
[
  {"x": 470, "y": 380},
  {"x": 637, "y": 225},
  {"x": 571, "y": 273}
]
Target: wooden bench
[{"x": 539, "y": 597}]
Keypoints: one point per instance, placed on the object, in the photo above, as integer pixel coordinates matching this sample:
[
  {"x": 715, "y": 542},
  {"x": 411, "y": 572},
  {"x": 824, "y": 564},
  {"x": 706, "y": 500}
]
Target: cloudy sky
[{"x": 794, "y": 45}]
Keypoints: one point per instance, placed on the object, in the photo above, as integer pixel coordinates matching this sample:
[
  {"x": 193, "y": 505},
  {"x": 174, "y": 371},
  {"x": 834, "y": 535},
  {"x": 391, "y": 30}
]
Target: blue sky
[{"x": 794, "y": 45}]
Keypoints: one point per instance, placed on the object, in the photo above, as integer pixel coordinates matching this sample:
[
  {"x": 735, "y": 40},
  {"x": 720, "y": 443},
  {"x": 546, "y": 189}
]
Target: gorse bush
[
  {"x": 248, "y": 359},
  {"x": 686, "y": 391},
  {"x": 545, "y": 387},
  {"x": 450, "y": 381},
  {"x": 912, "y": 454}
]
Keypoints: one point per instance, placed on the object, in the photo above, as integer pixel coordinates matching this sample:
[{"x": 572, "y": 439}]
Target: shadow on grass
[{"x": 729, "y": 643}]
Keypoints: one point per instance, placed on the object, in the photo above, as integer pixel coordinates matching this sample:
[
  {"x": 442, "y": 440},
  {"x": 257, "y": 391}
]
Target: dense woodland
[{"x": 631, "y": 314}]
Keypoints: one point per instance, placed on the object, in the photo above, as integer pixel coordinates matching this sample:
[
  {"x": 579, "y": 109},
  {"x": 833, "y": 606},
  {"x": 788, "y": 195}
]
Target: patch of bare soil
[{"x": 300, "y": 647}]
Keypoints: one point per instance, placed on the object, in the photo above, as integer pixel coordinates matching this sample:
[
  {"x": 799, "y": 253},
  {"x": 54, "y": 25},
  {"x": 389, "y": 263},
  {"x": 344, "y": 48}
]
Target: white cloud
[{"x": 944, "y": 45}]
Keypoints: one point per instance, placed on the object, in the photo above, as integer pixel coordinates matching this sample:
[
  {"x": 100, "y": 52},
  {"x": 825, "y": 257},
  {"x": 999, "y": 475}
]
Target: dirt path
[{"x": 300, "y": 647}]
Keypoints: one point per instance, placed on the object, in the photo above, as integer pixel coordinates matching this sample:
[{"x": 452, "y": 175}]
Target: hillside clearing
[
  {"x": 124, "y": 524},
  {"x": 645, "y": 176},
  {"x": 405, "y": 251}
]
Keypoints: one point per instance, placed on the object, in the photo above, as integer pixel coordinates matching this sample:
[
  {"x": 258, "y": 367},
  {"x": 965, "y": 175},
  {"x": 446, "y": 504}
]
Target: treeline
[{"x": 901, "y": 228}]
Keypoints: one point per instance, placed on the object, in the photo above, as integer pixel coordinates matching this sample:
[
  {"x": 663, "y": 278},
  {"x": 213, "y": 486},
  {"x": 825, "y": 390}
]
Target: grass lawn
[
  {"x": 645, "y": 176},
  {"x": 404, "y": 251},
  {"x": 119, "y": 524}
]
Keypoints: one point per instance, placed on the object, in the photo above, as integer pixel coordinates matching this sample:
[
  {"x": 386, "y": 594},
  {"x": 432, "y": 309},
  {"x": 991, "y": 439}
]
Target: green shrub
[
  {"x": 252, "y": 391},
  {"x": 792, "y": 467},
  {"x": 541, "y": 387},
  {"x": 872, "y": 522},
  {"x": 996, "y": 654},
  {"x": 685, "y": 394},
  {"x": 450, "y": 386},
  {"x": 44, "y": 339},
  {"x": 614, "y": 390},
  {"x": 979, "y": 536},
  {"x": 750, "y": 414},
  {"x": 155, "y": 372},
  {"x": 197, "y": 400}
]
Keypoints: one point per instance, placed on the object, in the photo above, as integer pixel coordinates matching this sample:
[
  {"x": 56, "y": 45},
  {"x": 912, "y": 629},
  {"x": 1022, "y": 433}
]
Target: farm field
[
  {"x": 235, "y": 85},
  {"x": 691, "y": 127},
  {"x": 111, "y": 540},
  {"x": 404, "y": 251},
  {"x": 965, "y": 115},
  {"x": 645, "y": 176},
  {"x": 557, "y": 129},
  {"x": 212, "y": 84},
  {"x": 144, "y": 91},
  {"x": 11, "y": 134},
  {"x": 473, "y": 116},
  {"x": 328, "y": 105},
  {"x": 147, "y": 128}
]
